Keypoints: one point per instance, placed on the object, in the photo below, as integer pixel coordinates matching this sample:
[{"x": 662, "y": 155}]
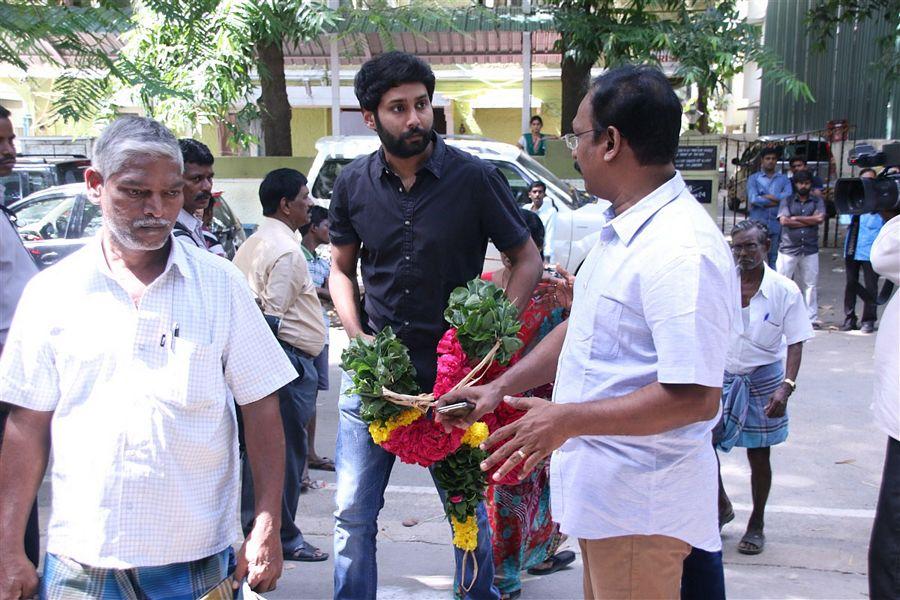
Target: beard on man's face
[{"x": 401, "y": 146}]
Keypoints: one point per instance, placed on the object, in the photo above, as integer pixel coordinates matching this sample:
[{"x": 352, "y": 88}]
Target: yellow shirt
[{"x": 273, "y": 263}]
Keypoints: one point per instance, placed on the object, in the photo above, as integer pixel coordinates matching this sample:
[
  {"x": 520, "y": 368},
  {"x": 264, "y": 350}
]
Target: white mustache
[{"x": 151, "y": 222}]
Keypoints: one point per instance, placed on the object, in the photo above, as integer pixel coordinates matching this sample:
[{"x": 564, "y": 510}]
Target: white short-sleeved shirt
[
  {"x": 144, "y": 439},
  {"x": 886, "y": 261},
  {"x": 777, "y": 318},
  {"x": 656, "y": 300},
  {"x": 16, "y": 268}
]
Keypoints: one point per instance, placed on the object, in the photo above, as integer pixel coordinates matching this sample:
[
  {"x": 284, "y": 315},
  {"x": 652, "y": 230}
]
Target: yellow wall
[
  {"x": 307, "y": 126},
  {"x": 501, "y": 124}
]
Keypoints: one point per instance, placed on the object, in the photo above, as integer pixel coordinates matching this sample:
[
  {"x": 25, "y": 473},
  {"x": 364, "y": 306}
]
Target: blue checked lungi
[
  {"x": 66, "y": 579},
  {"x": 744, "y": 399}
]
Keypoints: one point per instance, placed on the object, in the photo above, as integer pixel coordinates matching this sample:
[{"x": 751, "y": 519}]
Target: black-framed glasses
[{"x": 571, "y": 139}]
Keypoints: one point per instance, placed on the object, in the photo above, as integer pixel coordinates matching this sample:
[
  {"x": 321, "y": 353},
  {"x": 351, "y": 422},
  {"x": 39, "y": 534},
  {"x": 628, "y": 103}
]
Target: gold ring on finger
[{"x": 521, "y": 454}]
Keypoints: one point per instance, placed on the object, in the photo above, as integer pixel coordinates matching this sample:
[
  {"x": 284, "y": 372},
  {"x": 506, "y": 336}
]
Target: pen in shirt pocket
[{"x": 766, "y": 318}]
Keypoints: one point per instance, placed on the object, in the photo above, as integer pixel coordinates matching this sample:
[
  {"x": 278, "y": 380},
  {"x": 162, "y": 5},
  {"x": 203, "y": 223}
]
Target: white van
[{"x": 579, "y": 213}]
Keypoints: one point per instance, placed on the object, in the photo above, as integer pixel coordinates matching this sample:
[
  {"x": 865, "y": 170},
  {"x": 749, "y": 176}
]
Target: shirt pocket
[
  {"x": 600, "y": 327},
  {"x": 767, "y": 335},
  {"x": 194, "y": 376}
]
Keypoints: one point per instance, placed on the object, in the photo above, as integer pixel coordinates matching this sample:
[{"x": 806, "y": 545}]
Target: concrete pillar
[
  {"x": 334, "y": 70},
  {"x": 526, "y": 69}
]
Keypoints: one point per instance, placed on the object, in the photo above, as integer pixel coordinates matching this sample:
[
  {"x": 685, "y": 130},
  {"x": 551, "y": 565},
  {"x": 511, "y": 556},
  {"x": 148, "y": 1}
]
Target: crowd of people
[{"x": 178, "y": 389}]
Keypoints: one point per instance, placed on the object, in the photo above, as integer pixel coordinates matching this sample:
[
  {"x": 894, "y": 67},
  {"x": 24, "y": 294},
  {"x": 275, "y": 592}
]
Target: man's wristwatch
[{"x": 791, "y": 383}]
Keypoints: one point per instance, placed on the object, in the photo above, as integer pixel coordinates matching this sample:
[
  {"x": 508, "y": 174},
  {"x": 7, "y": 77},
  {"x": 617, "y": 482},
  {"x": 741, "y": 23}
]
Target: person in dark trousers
[
  {"x": 884, "y": 546},
  {"x": 862, "y": 231},
  {"x": 275, "y": 268},
  {"x": 417, "y": 215}
]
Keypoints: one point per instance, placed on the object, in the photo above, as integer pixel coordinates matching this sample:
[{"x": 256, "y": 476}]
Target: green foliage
[
  {"x": 460, "y": 474},
  {"x": 712, "y": 45},
  {"x": 611, "y": 32},
  {"x": 382, "y": 363},
  {"x": 482, "y": 314}
]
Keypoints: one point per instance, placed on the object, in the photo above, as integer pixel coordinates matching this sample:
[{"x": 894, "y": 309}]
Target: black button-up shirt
[
  {"x": 800, "y": 241},
  {"x": 418, "y": 245}
]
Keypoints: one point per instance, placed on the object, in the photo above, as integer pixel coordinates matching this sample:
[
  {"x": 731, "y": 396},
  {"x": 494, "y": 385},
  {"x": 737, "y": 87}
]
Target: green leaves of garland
[
  {"x": 461, "y": 477},
  {"x": 383, "y": 363},
  {"x": 482, "y": 314}
]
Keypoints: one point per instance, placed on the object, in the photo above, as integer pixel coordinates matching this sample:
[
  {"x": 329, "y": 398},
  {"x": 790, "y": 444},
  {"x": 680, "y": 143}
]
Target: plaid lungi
[
  {"x": 744, "y": 399},
  {"x": 66, "y": 579}
]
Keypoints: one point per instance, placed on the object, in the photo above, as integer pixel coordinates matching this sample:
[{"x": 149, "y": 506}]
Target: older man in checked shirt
[{"x": 120, "y": 355}]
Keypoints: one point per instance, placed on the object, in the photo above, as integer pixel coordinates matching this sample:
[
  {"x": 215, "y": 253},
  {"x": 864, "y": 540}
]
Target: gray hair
[
  {"x": 132, "y": 138},
  {"x": 762, "y": 231}
]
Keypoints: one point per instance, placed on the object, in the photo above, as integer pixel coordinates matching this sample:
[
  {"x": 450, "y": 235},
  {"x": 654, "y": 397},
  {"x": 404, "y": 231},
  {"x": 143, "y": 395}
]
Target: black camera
[{"x": 856, "y": 196}]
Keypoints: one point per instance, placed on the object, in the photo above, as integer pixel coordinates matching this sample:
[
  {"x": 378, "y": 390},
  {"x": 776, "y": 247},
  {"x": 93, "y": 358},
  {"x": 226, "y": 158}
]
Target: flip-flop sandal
[
  {"x": 558, "y": 561},
  {"x": 323, "y": 464},
  {"x": 752, "y": 543},
  {"x": 305, "y": 553},
  {"x": 726, "y": 519}
]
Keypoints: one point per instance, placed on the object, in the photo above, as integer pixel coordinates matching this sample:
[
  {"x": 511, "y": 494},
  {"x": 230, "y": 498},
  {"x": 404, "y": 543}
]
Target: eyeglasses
[
  {"x": 571, "y": 139},
  {"x": 749, "y": 248}
]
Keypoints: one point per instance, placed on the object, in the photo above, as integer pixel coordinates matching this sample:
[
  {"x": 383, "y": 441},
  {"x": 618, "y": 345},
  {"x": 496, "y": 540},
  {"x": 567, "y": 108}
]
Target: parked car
[
  {"x": 56, "y": 222},
  {"x": 35, "y": 173},
  {"x": 579, "y": 214},
  {"x": 815, "y": 150}
]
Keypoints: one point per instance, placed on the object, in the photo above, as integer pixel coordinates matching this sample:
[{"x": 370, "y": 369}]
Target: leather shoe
[
  {"x": 849, "y": 324},
  {"x": 867, "y": 327}
]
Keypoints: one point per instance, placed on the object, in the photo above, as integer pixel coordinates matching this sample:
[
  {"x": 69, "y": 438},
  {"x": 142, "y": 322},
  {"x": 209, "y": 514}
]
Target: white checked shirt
[
  {"x": 655, "y": 300},
  {"x": 776, "y": 318},
  {"x": 144, "y": 441}
]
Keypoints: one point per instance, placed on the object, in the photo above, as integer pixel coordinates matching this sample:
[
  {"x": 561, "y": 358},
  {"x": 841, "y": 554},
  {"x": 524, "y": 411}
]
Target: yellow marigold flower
[
  {"x": 465, "y": 533},
  {"x": 476, "y": 434},
  {"x": 380, "y": 432}
]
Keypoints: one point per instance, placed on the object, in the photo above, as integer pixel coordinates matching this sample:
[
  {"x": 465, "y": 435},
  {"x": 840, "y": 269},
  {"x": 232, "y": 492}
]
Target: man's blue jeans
[{"x": 363, "y": 470}]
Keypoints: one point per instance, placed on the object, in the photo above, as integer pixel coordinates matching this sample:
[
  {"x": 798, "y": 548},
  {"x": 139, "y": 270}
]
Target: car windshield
[{"x": 578, "y": 197}]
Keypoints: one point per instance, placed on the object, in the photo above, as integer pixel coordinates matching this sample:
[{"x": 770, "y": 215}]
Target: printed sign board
[
  {"x": 696, "y": 158},
  {"x": 701, "y": 189}
]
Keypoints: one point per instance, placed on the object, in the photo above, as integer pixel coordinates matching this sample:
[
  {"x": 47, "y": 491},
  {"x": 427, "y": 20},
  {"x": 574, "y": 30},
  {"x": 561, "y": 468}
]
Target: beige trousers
[{"x": 633, "y": 567}]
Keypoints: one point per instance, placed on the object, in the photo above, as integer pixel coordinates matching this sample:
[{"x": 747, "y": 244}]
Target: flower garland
[{"x": 483, "y": 319}]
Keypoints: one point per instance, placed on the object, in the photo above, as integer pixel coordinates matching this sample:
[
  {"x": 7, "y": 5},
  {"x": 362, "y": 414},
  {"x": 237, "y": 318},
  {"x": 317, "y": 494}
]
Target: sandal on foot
[
  {"x": 753, "y": 542},
  {"x": 323, "y": 464},
  {"x": 558, "y": 561},
  {"x": 305, "y": 552},
  {"x": 725, "y": 519},
  {"x": 511, "y": 595}
]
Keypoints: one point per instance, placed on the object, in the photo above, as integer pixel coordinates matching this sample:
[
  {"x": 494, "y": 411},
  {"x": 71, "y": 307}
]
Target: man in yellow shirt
[{"x": 275, "y": 267}]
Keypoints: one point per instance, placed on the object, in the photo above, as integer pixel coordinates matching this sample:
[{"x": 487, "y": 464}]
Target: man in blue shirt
[{"x": 765, "y": 191}]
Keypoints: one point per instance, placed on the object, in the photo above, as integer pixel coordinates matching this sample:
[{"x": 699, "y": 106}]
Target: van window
[{"x": 324, "y": 185}]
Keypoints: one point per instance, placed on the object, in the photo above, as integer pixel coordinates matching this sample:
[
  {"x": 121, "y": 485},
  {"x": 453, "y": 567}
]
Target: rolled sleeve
[
  {"x": 688, "y": 310},
  {"x": 254, "y": 363},
  {"x": 500, "y": 213},
  {"x": 28, "y": 374},
  {"x": 795, "y": 321},
  {"x": 340, "y": 227}
]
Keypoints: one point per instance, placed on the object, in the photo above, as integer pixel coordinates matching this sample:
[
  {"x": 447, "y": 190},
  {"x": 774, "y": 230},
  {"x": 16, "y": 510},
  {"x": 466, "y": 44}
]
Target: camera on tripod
[{"x": 856, "y": 196}]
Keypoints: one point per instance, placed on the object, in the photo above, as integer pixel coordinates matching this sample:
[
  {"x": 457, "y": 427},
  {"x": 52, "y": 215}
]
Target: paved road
[{"x": 825, "y": 485}]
